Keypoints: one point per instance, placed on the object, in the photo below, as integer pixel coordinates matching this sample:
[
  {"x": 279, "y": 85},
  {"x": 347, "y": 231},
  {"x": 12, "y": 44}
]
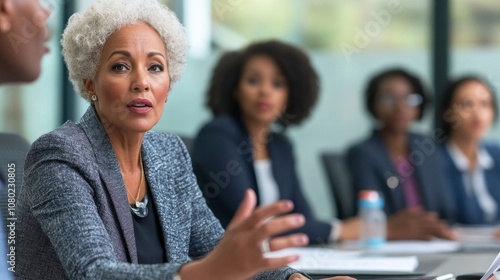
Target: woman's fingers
[
  {"x": 294, "y": 240},
  {"x": 262, "y": 214},
  {"x": 279, "y": 225},
  {"x": 245, "y": 209}
]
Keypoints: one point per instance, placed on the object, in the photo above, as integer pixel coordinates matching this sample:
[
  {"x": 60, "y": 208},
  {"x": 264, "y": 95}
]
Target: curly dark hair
[
  {"x": 449, "y": 92},
  {"x": 374, "y": 85},
  {"x": 301, "y": 78}
]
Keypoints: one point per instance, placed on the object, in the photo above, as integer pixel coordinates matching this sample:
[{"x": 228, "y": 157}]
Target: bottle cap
[{"x": 370, "y": 199}]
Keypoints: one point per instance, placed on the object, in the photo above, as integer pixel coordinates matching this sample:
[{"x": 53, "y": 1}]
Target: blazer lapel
[
  {"x": 111, "y": 177},
  {"x": 395, "y": 195},
  {"x": 282, "y": 169},
  {"x": 162, "y": 189}
]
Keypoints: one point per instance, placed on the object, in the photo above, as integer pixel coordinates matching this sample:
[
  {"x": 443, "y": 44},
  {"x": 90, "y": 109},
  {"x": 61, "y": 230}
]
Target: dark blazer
[
  {"x": 223, "y": 164},
  {"x": 74, "y": 220},
  {"x": 466, "y": 208},
  {"x": 371, "y": 166}
]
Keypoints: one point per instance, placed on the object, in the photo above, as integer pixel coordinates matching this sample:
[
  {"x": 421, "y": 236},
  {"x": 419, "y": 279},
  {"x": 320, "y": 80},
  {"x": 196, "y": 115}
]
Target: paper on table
[
  {"x": 411, "y": 247},
  {"x": 326, "y": 260},
  {"x": 478, "y": 238},
  {"x": 315, "y": 253},
  {"x": 480, "y": 234}
]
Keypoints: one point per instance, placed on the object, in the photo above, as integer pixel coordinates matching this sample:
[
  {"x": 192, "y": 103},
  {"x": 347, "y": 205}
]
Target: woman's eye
[
  {"x": 485, "y": 104},
  {"x": 120, "y": 67},
  {"x": 253, "y": 81},
  {"x": 156, "y": 68},
  {"x": 278, "y": 84}
]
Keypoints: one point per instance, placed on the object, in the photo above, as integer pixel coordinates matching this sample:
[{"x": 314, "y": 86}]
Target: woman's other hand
[{"x": 418, "y": 225}]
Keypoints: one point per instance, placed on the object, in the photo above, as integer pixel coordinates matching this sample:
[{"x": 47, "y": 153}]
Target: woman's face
[
  {"x": 472, "y": 111},
  {"x": 262, "y": 92},
  {"x": 396, "y": 104},
  {"x": 23, "y": 33},
  {"x": 132, "y": 82}
]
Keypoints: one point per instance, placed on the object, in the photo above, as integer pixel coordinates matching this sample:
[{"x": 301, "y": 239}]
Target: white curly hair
[{"x": 87, "y": 32}]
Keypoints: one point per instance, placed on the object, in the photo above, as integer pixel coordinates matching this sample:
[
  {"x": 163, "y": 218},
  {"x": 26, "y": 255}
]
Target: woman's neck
[
  {"x": 259, "y": 133},
  {"x": 396, "y": 142},
  {"x": 127, "y": 148},
  {"x": 468, "y": 146}
]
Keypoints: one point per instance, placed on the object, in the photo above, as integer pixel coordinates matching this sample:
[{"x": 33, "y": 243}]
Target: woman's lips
[
  {"x": 140, "y": 106},
  {"x": 263, "y": 106}
]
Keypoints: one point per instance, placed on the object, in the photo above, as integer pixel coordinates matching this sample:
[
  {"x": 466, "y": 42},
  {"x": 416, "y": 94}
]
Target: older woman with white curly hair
[{"x": 108, "y": 199}]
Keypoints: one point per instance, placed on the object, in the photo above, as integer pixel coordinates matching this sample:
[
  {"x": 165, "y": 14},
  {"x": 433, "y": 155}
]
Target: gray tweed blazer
[{"x": 74, "y": 221}]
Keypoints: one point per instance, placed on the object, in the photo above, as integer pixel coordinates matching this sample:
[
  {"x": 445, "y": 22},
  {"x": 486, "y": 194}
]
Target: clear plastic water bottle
[{"x": 373, "y": 219}]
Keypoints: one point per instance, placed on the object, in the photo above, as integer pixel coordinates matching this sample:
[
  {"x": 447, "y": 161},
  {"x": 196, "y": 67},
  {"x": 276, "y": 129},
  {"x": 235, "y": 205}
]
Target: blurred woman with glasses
[
  {"x": 401, "y": 165},
  {"x": 472, "y": 166}
]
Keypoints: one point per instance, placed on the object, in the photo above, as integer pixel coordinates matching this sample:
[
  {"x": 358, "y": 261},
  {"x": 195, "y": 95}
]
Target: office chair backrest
[{"x": 340, "y": 184}]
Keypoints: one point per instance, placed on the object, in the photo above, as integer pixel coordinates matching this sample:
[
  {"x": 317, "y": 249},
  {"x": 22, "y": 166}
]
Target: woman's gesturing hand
[{"x": 239, "y": 254}]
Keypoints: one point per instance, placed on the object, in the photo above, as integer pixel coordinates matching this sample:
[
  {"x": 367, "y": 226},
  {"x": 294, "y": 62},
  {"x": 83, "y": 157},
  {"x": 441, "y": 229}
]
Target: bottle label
[{"x": 373, "y": 242}]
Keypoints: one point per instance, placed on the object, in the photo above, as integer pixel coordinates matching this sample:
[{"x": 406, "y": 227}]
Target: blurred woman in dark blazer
[
  {"x": 254, "y": 95},
  {"x": 403, "y": 166},
  {"x": 471, "y": 165},
  {"x": 109, "y": 199}
]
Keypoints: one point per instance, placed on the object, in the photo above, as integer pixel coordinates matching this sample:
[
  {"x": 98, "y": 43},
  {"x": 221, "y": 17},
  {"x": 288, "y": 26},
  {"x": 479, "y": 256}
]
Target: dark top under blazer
[
  {"x": 466, "y": 208},
  {"x": 370, "y": 165},
  {"x": 223, "y": 163},
  {"x": 74, "y": 219}
]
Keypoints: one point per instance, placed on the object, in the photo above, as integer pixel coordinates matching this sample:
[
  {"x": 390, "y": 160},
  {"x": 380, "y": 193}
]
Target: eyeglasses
[
  {"x": 471, "y": 105},
  {"x": 410, "y": 100}
]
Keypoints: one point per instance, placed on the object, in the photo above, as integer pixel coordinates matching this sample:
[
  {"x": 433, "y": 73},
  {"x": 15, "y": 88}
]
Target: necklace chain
[{"x": 140, "y": 181}]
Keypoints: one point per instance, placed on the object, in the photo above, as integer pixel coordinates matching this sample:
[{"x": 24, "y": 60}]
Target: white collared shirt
[
  {"x": 475, "y": 181},
  {"x": 268, "y": 188}
]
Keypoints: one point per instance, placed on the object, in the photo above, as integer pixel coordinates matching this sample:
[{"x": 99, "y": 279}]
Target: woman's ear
[{"x": 89, "y": 86}]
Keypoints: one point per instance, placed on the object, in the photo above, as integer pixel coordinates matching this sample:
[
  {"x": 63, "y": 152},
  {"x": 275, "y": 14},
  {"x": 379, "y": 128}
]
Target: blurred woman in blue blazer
[
  {"x": 471, "y": 165},
  {"x": 254, "y": 95},
  {"x": 401, "y": 165}
]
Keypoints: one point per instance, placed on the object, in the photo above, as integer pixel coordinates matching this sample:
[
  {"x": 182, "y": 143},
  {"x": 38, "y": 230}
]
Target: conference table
[
  {"x": 437, "y": 264},
  {"x": 459, "y": 263}
]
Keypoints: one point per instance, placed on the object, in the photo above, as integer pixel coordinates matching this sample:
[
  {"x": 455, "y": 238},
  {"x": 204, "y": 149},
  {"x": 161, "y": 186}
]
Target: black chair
[{"x": 340, "y": 184}]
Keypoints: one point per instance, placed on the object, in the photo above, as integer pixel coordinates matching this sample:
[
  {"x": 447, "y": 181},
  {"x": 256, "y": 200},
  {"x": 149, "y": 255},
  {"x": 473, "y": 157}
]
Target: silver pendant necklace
[{"x": 141, "y": 207}]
